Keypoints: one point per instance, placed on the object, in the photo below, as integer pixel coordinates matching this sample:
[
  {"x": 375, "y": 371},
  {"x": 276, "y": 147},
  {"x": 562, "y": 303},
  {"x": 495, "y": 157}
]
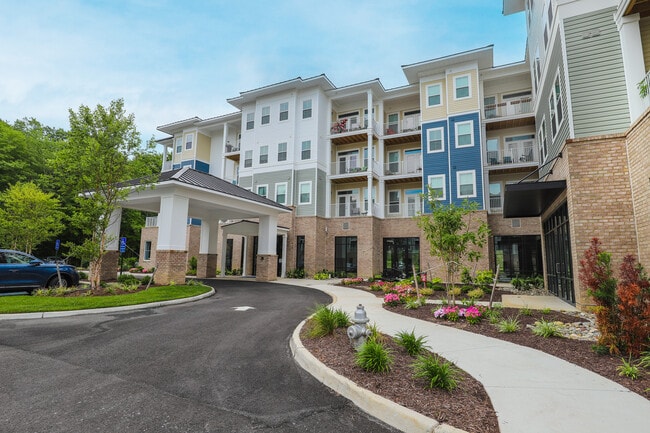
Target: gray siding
[
  {"x": 323, "y": 200},
  {"x": 596, "y": 75},
  {"x": 245, "y": 182},
  {"x": 271, "y": 179},
  {"x": 304, "y": 176}
]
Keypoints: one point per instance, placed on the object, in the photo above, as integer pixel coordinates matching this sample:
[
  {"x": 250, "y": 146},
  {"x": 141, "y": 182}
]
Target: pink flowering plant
[
  {"x": 352, "y": 281},
  {"x": 392, "y": 299},
  {"x": 377, "y": 286},
  {"x": 453, "y": 313}
]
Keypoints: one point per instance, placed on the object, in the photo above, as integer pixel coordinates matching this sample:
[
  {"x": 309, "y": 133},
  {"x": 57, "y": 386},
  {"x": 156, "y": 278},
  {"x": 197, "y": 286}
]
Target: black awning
[{"x": 530, "y": 199}]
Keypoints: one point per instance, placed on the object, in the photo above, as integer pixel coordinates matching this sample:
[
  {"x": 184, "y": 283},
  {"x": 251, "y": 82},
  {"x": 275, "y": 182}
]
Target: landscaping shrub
[
  {"x": 127, "y": 279},
  {"x": 296, "y": 273},
  {"x": 475, "y": 294},
  {"x": 325, "y": 320},
  {"x": 546, "y": 329},
  {"x": 412, "y": 344},
  {"x": 322, "y": 275},
  {"x": 484, "y": 279},
  {"x": 374, "y": 357},
  {"x": 437, "y": 372},
  {"x": 628, "y": 369},
  {"x": 508, "y": 325},
  {"x": 352, "y": 281}
]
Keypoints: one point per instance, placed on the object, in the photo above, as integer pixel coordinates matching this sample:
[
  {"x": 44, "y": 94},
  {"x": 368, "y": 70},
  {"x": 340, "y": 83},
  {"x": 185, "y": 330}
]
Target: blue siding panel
[{"x": 435, "y": 163}]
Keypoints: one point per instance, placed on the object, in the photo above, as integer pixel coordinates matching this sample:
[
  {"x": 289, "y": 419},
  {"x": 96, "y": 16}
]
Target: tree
[
  {"x": 94, "y": 161},
  {"x": 28, "y": 216},
  {"x": 452, "y": 235}
]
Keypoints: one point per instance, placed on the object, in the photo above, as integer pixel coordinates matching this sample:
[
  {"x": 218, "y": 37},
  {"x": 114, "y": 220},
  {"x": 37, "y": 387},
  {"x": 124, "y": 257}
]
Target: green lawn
[{"x": 34, "y": 304}]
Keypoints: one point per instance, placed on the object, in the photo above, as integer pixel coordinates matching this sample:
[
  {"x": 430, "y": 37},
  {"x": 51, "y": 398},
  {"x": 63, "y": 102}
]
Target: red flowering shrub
[{"x": 634, "y": 316}]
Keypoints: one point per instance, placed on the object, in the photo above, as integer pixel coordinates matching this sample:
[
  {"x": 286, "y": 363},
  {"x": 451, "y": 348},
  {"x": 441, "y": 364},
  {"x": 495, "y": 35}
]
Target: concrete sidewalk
[{"x": 530, "y": 390}]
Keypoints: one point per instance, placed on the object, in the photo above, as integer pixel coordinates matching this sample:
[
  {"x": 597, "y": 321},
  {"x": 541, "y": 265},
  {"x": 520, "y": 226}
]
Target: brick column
[
  {"x": 207, "y": 266},
  {"x": 267, "y": 267},
  {"x": 170, "y": 266},
  {"x": 108, "y": 270}
]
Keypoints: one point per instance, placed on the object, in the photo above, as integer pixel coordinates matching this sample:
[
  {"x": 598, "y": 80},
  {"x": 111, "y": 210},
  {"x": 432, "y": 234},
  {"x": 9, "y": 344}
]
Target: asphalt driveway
[{"x": 207, "y": 366}]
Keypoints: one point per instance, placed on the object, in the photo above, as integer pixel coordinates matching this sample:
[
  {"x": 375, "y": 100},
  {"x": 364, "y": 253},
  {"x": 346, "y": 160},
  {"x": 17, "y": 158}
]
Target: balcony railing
[
  {"x": 407, "y": 124},
  {"x": 167, "y": 165},
  {"x": 349, "y": 167},
  {"x": 403, "y": 167},
  {"x": 151, "y": 222},
  {"x": 230, "y": 148},
  {"x": 520, "y": 152},
  {"x": 402, "y": 210},
  {"x": 495, "y": 204},
  {"x": 342, "y": 210},
  {"x": 509, "y": 108}
]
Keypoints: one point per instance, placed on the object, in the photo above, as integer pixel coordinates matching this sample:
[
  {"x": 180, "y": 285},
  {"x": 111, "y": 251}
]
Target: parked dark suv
[{"x": 21, "y": 271}]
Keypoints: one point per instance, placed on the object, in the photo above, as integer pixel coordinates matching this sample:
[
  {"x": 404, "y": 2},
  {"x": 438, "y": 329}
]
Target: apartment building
[{"x": 553, "y": 149}]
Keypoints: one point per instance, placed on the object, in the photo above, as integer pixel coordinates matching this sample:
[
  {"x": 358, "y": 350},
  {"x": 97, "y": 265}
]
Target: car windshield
[{"x": 16, "y": 257}]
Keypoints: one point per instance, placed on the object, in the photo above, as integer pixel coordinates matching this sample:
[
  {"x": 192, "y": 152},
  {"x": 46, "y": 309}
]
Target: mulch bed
[{"x": 468, "y": 407}]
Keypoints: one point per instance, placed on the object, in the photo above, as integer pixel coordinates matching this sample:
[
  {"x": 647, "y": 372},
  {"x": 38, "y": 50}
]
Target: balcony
[
  {"x": 167, "y": 166},
  {"x": 496, "y": 204},
  {"x": 514, "y": 107},
  {"x": 151, "y": 222},
  {"x": 516, "y": 153},
  {"x": 352, "y": 129},
  {"x": 230, "y": 148},
  {"x": 404, "y": 131},
  {"x": 401, "y": 168},
  {"x": 402, "y": 210},
  {"x": 345, "y": 210}
]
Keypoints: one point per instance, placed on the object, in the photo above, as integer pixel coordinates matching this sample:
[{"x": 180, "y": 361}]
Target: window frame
[
  {"x": 543, "y": 145},
  {"x": 250, "y": 121},
  {"x": 147, "y": 250},
  {"x": 248, "y": 164},
  {"x": 459, "y": 174},
  {"x": 442, "y": 139},
  {"x": 300, "y": 192},
  {"x": 444, "y": 185},
  {"x": 469, "y": 87},
  {"x": 264, "y": 154},
  {"x": 429, "y": 96},
  {"x": 307, "y": 110},
  {"x": 392, "y": 203},
  {"x": 266, "y": 190},
  {"x": 277, "y": 187},
  {"x": 266, "y": 115},
  {"x": 471, "y": 133},
  {"x": 189, "y": 144},
  {"x": 306, "y": 143},
  {"x": 284, "y": 111},
  {"x": 282, "y": 154},
  {"x": 179, "y": 144}
]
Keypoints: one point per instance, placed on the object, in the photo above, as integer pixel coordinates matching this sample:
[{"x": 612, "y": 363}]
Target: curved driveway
[{"x": 198, "y": 367}]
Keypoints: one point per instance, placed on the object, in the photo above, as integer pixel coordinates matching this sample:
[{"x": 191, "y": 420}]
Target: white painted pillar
[
  {"x": 632, "y": 50},
  {"x": 244, "y": 247},
  {"x": 267, "y": 235},
  {"x": 209, "y": 237},
  {"x": 371, "y": 154},
  {"x": 224, "y": 249},
  {"x": 284, "y": 256},
  {"x": 113, "y": 230},
  {"x": 223, "y": 151},
  {"x": 328, "y": 163},
  {"x": 381, "y": 198},
  {"x": 172, "y": 223}
]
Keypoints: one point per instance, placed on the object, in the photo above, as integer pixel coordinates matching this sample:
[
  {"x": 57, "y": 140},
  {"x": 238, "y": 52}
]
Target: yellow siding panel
[
  {"x": 466, "y": 104},
  {"x": 189, "y": 154},
  {"x": 433, "y": 113},
  {"x": 203, "y": 148}
]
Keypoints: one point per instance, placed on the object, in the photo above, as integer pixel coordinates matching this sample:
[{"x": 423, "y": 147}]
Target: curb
[
  {"x": 391, "y": 413},
  {"x": 53, "y": 314}
]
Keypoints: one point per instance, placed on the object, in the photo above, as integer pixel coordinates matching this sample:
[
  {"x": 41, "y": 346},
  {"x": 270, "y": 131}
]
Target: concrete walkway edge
[{"x": 51, "y": 314}]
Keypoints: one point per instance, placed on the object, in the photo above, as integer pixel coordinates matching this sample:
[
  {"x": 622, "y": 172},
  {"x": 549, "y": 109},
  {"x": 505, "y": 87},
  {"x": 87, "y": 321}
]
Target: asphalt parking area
[{"x": 221, "y": 364}]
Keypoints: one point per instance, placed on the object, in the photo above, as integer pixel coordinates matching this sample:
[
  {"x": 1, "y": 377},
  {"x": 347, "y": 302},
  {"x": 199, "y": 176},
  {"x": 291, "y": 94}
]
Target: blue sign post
[
  {"x": 122, "y": 245},
  {"x": 57, "y": 245}
]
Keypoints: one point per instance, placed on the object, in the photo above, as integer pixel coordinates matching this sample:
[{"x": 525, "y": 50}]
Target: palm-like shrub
[
  {"x": 412, "y": 344},
  {"x": 325, "y": 320},
  {"x": 437, "y": 372},
  {"x": 374, "y": 357}
]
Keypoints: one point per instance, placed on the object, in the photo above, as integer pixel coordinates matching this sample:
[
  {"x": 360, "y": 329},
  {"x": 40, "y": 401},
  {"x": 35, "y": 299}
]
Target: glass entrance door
[{"x": 557, "y": 238}]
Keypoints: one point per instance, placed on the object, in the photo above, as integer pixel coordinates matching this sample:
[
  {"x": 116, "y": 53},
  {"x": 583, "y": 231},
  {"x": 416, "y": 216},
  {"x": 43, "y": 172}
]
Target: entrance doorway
[
  {"x": 345, "y": 256},
  {"x": 400, "y": 256},
  {"x": 557, "y": 239}
]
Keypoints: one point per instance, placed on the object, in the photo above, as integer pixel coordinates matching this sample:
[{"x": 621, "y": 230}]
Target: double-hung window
[
  {"x": 262, "y": 190},
  {"x": 281, "y": 193},
  {"x": 437, "y": 186},
  {"x": 466, "y": 183},
  {"x": 306, "y": 109},
  {"x": 284, "y": 111},
  {"x": 543, "y": 147},
  {"x": 248, "y": 158},
  {"x": 179, "y": 145},
  {"x": 393, "y": 201},
  {"x": 264, "y": 154},
  {"x": 189, "y": 139},
  {"x": 304, "y": 189},
  {"x": 461, "y": 87},
  {"x": 306, "y": 150},
  {"x": 435, "y": 140},
  {"x": 282, "y": 151},
  {"x": 250, "y": 121},
  {"x": 266, "y": 115},
  {"x": 464, "y": 136},
  {"x": 555, "y": 106},
  {"x": 434, "y": 95}
]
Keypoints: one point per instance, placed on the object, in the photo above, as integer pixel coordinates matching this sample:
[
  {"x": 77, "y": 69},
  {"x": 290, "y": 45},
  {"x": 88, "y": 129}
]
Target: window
[
  {"x": 264, "y": 154},
  {"x": 435, "y": 140},
  {"x": 282, "y": 151},
  {"x": 464, "y": 134},
  {"x": 306, "y": 150},
  {"x": 179, "y": 145},
  {"x": 393, "y": 201},
  {"x": 306, "y": 109},
  {"x": 250, "y": 121},
  {"x": 248, "y": 158},
  {"x": 262, "y": 190},
  {"x": 365, "y": 198},
  {"x": 300, "y": 252},
  {"x": 393, "y": 162},
  {"x": 147, "y": 250},
  {"x": 284, "y": 111},
  {"x": 189, "y": 138},
  {"x": 281, "y": 193},
  {"x": 495, "y": 196},
  {"x": 552, "y": 118},
  {"x": 305, "y": 192},
  {"x": 461, "y": 87},
  {"x": 466, "y": 183},
  {"x": 542, "y": 140},
  {"x": 434, "y": 95},
  {"x": 555, "y": 106},
  {"x": 266, "y": 115},
  {"x": 437, "y": 186},
  {"x": 393, "y": 123}
]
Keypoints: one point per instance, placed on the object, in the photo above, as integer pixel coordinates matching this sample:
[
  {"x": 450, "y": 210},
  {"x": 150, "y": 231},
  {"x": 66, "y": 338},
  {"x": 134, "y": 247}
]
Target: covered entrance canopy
[
  {"x": 186, "y": 193},
  {"x": 530, "y": 199}
]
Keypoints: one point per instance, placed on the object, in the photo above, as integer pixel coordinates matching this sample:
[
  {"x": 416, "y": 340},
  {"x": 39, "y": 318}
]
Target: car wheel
[{"x": 53, "y": 283}]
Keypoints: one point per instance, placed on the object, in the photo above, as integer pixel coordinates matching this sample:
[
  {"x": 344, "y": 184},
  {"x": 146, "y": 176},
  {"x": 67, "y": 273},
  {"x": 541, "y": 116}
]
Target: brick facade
[
  {"x": 638, "y": 155},
  {"x": 170, "y": 267},
  {"x": 207, "y": 265},
  {"x": 110, "y": 266},
  {"x": 266, "y": 267}
]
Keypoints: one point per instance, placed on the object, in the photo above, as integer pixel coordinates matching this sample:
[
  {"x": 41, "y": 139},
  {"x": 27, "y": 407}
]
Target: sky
[{"x": 172, "y": 60}]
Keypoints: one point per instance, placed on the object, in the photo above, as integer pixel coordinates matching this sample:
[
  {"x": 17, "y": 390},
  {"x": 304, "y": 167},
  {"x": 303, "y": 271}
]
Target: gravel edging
[{"x": 391, "y": 413}]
